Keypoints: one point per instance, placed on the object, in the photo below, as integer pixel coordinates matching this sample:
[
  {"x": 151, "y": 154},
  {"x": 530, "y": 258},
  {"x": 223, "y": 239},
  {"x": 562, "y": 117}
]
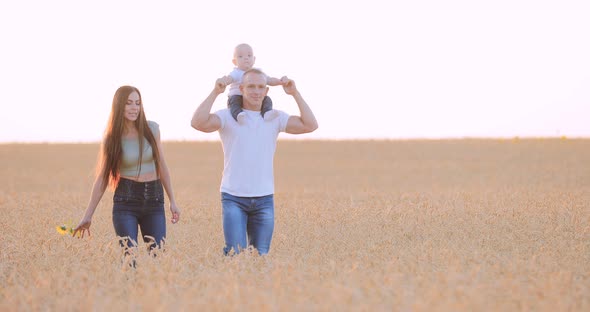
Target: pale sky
[{"x": 368, "y": 69}]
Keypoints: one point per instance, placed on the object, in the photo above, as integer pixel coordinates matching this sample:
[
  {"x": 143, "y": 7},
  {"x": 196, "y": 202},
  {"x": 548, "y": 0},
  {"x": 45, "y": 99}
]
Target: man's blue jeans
[{"x": 247, "y": 221}]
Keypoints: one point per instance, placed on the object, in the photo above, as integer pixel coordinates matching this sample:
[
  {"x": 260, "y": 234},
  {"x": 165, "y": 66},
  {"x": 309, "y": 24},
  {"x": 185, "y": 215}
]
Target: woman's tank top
[{"x": 130, "y": 162}]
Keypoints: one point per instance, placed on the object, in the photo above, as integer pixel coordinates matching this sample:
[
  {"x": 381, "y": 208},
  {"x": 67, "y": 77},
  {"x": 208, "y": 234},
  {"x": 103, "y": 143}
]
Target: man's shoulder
[
  {"x": 223, "y": 115},
  {"x": 223, "y": 111},
  {"x": 283, "y": 114}
]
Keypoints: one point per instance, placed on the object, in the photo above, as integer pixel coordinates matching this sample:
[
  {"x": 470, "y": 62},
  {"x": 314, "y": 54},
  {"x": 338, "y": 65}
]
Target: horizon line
[{"x": 449, "y": 138}]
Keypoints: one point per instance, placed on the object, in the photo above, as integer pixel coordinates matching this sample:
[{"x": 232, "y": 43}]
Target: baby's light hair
[{"x": 240, "y": 46}]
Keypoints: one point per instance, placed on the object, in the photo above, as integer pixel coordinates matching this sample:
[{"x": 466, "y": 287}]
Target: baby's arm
[{"x": 272, "y": 81}]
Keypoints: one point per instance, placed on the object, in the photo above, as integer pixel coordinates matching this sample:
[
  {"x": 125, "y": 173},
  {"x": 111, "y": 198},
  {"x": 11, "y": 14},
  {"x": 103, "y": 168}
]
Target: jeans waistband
[{"x": 139, "y": 190}]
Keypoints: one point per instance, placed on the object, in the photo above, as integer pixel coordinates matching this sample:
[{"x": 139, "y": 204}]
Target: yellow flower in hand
[{"x": 63, "y": 229}]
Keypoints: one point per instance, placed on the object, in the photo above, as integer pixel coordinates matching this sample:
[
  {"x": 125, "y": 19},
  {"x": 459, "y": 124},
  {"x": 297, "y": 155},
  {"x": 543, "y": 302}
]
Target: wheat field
[{"x": 417, "y": 225}]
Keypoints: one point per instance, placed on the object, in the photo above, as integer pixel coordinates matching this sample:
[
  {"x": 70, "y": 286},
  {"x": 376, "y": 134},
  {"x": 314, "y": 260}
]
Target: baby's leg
[
  {"x": 234, "y": 103},
  {"x": 266, "y": 105}
]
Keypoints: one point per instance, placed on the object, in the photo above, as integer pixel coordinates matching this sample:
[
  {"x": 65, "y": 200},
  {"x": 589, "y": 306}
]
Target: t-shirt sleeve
[
  {"x": 221, "y": 115},
  {"x": 236, "y": 75},
  {"x": 155, "y": 128},
  {"x": 283, "y": 119}
]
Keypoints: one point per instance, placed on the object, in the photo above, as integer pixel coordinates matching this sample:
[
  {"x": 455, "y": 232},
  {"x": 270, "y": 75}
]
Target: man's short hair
[{"x": 254, "y": 71}]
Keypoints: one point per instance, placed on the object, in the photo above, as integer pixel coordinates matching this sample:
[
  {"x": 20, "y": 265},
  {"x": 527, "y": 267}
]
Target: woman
[{"x": 132, "y": 162}]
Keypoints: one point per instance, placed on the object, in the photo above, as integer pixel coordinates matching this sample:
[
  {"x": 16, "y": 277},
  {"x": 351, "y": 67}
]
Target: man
[{"x": 247, "y": 184}]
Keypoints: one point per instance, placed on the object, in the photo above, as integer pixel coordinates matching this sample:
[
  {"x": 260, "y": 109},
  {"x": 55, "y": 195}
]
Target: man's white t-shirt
[{"x": 248, "y": 152}]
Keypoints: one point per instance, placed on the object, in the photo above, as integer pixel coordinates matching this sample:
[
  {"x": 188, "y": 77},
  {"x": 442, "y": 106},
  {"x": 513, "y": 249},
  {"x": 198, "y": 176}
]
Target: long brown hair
[{"x": 112, "y": 151}]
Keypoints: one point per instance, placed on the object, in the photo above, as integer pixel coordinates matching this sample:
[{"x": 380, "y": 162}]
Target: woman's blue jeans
[
  {"x": 247, "y": 221},
  {"x": 139, "y": 204}
]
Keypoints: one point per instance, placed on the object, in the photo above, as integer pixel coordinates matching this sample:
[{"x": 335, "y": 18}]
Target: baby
[{"x": 243, "y": 60}]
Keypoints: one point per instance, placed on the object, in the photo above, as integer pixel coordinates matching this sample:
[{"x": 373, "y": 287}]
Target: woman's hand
[
  {"x": 82, "y": 227},
  {"x": 175, "y": 213}
]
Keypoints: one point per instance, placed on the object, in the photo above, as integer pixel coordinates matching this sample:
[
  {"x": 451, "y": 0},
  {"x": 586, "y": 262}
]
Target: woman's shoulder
[{"x": 153, "y": 126}]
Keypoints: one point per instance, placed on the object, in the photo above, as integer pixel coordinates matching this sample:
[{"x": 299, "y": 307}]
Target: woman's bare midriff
[{"x": 146, "y": 177}]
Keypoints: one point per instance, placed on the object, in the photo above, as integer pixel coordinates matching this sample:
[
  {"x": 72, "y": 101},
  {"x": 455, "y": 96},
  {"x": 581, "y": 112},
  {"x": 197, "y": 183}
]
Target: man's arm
[
  {"x": 305, "y": 122},
  {"x": 203, "y": 120}
]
